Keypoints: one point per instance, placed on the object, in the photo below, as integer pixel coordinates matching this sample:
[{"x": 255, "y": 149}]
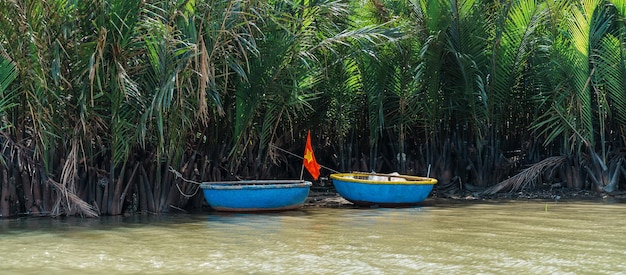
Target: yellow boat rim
[{"x": 376, "y": 178}]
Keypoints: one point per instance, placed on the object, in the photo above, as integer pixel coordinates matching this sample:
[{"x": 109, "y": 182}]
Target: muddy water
[{"x": 469, "y": 238}]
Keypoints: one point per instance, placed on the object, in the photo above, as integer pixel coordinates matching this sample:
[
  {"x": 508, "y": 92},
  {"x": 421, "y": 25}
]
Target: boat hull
[
  {"x": 382, "y": 189},
  {"x": 252, "y": 196}
]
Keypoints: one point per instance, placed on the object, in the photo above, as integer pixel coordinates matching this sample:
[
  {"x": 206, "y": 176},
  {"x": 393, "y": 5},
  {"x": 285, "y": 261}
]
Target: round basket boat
[
  {"x": 256, "y": 195},
  {"x": 382, "y": 189}
]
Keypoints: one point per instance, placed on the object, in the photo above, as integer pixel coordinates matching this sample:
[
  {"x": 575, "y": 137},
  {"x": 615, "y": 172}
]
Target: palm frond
[
  {"x": 528, "y": 176},
  {"x": 514, "y": 46},
  {"x": 614, "y": 58},
  {"x": 574, "y": 75},
  {"x": 583, "y": 38},
  {"x": 8, "y": 73}
]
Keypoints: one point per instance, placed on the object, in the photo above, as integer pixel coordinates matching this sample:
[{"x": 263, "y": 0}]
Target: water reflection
[{"x": 520, "y": 237}]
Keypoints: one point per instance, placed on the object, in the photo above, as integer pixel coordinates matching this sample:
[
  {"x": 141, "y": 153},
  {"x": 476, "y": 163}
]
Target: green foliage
[
  {"x": 8, "y": 73},
  {"x": 515, "y": 42},
  {"x": 95, "y": 86}
]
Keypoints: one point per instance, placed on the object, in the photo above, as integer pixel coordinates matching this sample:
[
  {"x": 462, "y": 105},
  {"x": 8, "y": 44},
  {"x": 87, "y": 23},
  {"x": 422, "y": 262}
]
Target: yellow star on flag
[{"x": 308, "y": 156}]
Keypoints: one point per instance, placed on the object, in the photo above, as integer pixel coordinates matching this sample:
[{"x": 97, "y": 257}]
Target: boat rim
[
  {"x": 408, "y": 180},
  {"x": 255, "y": 184}
]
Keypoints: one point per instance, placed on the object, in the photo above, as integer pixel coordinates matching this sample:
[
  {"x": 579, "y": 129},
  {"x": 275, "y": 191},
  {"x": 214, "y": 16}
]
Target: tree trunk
[
  {"x": 37, "y": 194},
  {"x": 47, "y": 196},
  {"x": 116, "y": 203},
  {"x": 29, "y": 201},
  {"x": 4, "y": 196},
  {"x": 143, "y": 194},
  {"x": 148, "y": 191},
  {"x": 104, "y": 204},
  {"x": 14, "y": 203},
  {"x": 129, "y": 183}
]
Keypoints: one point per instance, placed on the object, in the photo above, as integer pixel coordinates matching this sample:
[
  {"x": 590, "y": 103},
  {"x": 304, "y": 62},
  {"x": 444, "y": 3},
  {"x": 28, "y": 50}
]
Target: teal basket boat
[
  {"x": 256, "y": 195},
  {"x": 385, "y": 190}
]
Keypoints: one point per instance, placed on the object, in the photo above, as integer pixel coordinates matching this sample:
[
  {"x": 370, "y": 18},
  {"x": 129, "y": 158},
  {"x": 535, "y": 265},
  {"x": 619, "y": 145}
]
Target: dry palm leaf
[
  {"x": 84, "y": 208},
  {"x": 526, "y": 177}
]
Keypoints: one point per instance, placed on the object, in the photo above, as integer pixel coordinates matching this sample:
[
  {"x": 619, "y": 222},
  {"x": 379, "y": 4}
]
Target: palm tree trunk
[
  {"x": 143, "y": 191},
  {"x": 116, "y": 199},
  {"x": 4, "y": 195}
]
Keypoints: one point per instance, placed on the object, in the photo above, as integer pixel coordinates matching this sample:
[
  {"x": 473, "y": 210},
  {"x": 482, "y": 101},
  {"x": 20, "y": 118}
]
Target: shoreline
[{"x": 329, "y": 198}]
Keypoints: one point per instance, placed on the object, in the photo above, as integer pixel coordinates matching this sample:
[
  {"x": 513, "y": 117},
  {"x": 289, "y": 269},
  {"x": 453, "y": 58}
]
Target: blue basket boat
[
  {"x": 385, "y": 190},
  {"x": 256, "y": 195}
]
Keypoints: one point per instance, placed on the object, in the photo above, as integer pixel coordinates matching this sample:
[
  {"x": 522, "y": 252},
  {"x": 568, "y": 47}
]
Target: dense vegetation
[{"x": 99, "y": 99}]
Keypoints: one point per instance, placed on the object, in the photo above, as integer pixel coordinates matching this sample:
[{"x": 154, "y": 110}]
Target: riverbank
[{"x": 328, "y": 197}]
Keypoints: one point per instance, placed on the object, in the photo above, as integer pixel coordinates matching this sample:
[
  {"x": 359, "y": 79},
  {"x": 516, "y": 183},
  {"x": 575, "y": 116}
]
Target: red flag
[{"x": 309, "y": 159}]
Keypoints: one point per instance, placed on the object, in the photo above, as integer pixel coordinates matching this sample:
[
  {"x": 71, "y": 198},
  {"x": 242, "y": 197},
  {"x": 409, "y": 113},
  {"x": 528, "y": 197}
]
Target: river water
[{"x": 438, "y": 238}]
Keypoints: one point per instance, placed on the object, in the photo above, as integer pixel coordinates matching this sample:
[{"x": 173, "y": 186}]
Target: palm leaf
[
  {"x": 8, "y": 73},
  {"x": 514, "y": 47},
  {"x": 574, "y": 74},
  {"x": 615, "y": 59},
  {"x": 583, "y": 38},
  {"x": 433, "y": 18},
  {"x": 8, "y": 99}
]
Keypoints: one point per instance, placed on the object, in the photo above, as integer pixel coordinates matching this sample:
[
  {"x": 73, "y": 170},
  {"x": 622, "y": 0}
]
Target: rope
[
  {"x": 185, "y": 195},
  {"x": 179, "y": 175},
  {"x": 290, "y": 153}
]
